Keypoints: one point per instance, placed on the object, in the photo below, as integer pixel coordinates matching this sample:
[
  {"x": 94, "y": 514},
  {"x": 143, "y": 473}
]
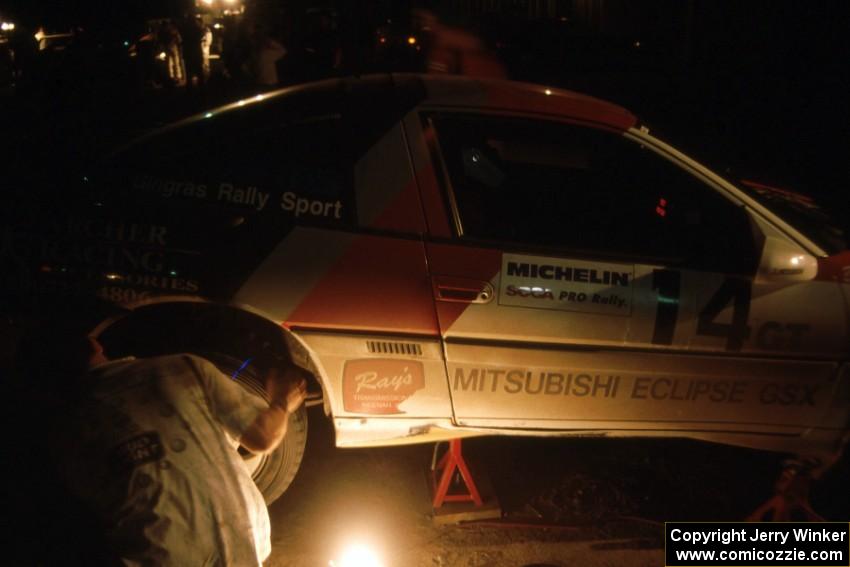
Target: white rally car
[{"x": 454, "y": 257}]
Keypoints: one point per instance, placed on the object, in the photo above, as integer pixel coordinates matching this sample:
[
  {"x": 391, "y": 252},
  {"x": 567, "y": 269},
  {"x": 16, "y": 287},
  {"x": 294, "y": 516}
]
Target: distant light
[
  {"x": 357, "y": 556},
  {"x": 208, "y": 2},
  {"x": 548, "y": 92},
  {"x": 217, "y": 26},
  {"x": 113, "y": 276},
  {"x": 161, "y": 56},
  {"x": 126, "y": 44},
  {"x": 259, "y": 97},
  {"x": 797, "y": 260},
  {"x": 208, "y": 115},
  {"x": 637, "y": 44},
  {"x": 411, "y": 40},
  {"x": 172, "y": 273},
  {"x": 241, "y": 103},
  {"x": 382, "y": 39},
  {"x": 7, "y": 26},
  {"x": 563, "y": 18}
]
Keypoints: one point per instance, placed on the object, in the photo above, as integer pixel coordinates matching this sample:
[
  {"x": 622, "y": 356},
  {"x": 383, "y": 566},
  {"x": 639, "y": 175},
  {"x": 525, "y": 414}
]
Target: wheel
[{"x": 272, "y": 472}]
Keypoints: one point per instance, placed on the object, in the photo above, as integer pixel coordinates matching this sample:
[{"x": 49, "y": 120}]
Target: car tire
[{"x": 274, "y": 471}]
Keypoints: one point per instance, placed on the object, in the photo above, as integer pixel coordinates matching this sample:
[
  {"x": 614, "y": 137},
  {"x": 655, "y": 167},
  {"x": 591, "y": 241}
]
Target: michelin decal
[{"x": 567, "y": 285}]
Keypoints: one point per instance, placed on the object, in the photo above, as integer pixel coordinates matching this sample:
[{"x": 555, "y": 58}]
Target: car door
[{"x": 586, "y": 281}]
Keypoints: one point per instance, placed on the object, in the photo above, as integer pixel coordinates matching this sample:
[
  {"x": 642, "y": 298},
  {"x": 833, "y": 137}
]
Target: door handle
[{"x": 462, "y": 290}]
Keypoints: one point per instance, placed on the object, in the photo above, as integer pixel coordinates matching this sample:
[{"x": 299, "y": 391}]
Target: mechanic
[{"x": 149, "y": 445}]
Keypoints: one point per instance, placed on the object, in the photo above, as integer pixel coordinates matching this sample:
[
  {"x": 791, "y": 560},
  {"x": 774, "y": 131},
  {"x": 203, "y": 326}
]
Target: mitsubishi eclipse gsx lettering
[{"x": 451, "y": 257}]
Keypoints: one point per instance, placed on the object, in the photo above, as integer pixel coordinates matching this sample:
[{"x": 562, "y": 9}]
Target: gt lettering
[
  {"x": 776, "y": 336},
  {"x": 789, "y": 394}
]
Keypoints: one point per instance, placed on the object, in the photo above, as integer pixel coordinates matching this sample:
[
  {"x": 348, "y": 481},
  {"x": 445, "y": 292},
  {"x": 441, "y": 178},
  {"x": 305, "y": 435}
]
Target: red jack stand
[
  {"x": 470, "y": 504},
  {"x": 791, "y": 501},
  {"x": 453, "y": 459}
]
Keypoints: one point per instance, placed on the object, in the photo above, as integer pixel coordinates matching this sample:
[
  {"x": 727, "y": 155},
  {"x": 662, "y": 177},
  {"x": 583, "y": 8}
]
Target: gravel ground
[{"x": 603, "y": 501}]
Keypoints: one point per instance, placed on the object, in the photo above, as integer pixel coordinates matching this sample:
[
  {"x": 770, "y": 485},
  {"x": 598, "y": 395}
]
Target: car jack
[{"x": 791, "y": 500}]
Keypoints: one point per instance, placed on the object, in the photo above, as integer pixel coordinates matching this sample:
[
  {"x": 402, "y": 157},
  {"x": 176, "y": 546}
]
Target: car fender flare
[{"x": 300, "y": 354}]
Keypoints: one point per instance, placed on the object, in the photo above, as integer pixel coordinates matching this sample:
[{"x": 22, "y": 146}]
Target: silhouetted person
[
  {"x": 266, "y": 53},
  {"x": 454, "y": 51},
  {"x": 193, "y": 51}
]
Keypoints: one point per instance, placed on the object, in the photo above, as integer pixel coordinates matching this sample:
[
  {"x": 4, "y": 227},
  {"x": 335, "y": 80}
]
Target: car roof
[
  {"x": 370, "y": 97},
  {"x": 446, "y": 91},
  {"x": 524, "y": 98}
]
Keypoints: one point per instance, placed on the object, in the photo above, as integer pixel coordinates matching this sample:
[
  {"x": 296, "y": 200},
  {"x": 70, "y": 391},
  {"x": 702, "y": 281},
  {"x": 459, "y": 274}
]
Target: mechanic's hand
[{"x": 287, "y": 387}]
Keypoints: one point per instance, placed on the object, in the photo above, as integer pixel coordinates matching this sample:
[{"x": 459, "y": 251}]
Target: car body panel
[{"x": 337, "y": 218}]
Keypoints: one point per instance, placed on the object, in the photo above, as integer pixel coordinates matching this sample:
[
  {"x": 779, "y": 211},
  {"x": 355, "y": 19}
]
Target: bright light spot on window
[
  {"x": 797, "y": 260},
  {"x": 208, "y": 2},
  {"x": 548, "y": 92}
]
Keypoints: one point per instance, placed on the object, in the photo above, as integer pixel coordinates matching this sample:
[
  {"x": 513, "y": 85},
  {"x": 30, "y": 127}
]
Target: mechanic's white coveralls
[{"x": 147, "y": 448}]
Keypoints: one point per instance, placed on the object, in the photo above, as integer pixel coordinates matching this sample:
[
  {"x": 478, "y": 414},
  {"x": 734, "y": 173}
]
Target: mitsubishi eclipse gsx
[{"x": 450, "y": 257}]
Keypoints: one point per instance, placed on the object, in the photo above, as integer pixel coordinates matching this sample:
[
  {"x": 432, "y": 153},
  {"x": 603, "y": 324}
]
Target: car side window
[{"x": 584, "y": 190}]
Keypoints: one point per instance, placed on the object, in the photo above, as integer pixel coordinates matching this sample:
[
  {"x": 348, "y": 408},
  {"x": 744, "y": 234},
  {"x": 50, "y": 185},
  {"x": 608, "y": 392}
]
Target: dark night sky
[{"x": 760, "y": 85}]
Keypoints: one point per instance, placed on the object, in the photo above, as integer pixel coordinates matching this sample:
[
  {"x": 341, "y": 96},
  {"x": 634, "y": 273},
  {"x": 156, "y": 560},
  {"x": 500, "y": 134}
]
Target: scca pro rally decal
[
  {"x": 568, "y": 285},
  {"x": 378, "y": 386}
]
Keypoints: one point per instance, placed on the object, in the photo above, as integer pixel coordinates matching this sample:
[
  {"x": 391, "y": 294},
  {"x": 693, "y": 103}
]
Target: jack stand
[
  {"x": 792, "y": 495},
  {"x": 453, "y": 459},
  {"x": 465, "y": 506}
]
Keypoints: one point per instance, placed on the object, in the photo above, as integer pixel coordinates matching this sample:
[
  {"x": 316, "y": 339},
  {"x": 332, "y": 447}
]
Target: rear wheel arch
[{"x": 200, "y": 326}]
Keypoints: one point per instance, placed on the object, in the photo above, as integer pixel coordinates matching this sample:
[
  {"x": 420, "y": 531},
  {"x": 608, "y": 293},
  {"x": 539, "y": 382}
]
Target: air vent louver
[{"x": 383, "y": 347}]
